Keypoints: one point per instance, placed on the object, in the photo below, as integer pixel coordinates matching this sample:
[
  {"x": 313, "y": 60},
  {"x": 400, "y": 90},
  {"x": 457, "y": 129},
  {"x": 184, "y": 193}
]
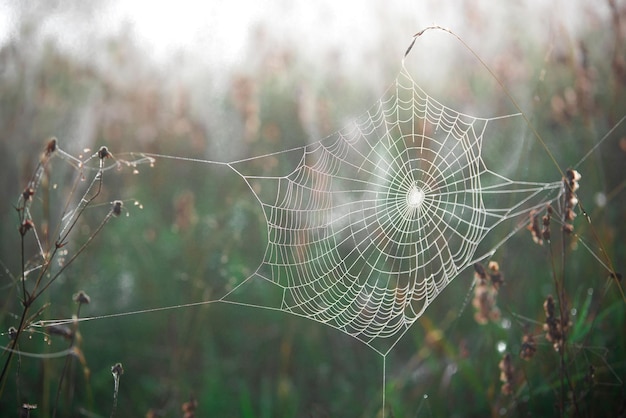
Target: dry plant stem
[
  {"x": 23, "y": 264},
  {"x": 530, "y": 388},
  {"x": 561, "y": 298},
  {"x": 84, "y": 203},
  {"x": 61, "y": 241},
  {"x": 17, "y": 378},
  {"x": 61, "y": 378},
  {"x": 28, "y": 302},
  {"x": 79, "y": 252},
  {"x": 12, "y": 346},
  {"x": 66, "y": 365},
  {"x": 32, "y": 184},
  {"x": 559, "y": 287},
  {"x": 564, "y": 319}
]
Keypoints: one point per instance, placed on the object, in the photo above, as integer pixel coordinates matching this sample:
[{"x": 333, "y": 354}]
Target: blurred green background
[{"x": 194, "y": 230}]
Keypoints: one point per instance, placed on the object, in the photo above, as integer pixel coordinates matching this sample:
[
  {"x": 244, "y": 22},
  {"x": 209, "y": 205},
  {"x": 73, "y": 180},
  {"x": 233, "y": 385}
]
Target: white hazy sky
[
  {"x": 219, "y": 31},
  {"x": 369, "y": 35}
]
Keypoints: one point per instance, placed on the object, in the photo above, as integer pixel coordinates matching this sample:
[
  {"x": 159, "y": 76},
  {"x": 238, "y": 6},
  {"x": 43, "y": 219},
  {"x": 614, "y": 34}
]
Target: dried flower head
[
  {"x": 506, "y": 374},
  {"x": 103, "y": 153},
  {"x": 534, "y": 227},
  {"x": 545, "y": 224},
  {"x": 12, "y": 333},
  {"x": 117, "y": 370},
  {"x": 25, "y": 410},
  {"x": 117, "y": 207},
  {"x": 479, "y": 271},
  {"x": 555, "y": 327},
  {"x": 28, "y": 194},
  {"x": 573, "y": 176},
  {"x": 568, "y": 228},
  {"x": 495, "y": 275},
  {"x": 26, "y": 226},
  {"x": 529, "y": 347},
  {"x": 189, "y": 408},
  {"x": 570, "y": 185},
  {"x": 81, "y": 297},
  {"x": 548, "y": 306},
  {"x": 61, "y": 330},
  {"x": 51, "y": 146},
  {"x": 485, "y": 292}
]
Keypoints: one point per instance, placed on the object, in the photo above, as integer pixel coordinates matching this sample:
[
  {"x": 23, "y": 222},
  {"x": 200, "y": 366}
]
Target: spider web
[{"x": 376, "y": 220}]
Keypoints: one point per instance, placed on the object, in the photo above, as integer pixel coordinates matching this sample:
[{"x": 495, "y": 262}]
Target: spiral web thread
[{"x": 377, "y": 219}]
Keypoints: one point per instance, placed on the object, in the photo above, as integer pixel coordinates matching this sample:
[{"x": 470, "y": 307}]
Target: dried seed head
[
  {"x": 81, "y": 297},
  {"x": 506, "y": 374},
  {"x": 26, "y": 226},
  {"x": 12, "y": 333},
  {"x": 556, "y": 328},
  {"x": 482, "y": 303},
  {"x": 534, "y": 228},
  {"x": 545, "y": 229},
  {"x": 25, "y": 410},
  {"x": 573, "y": 175},
  {"x": 529, "y": 347},
  {"x": 479, "y": 270},
  {"x": 103, "y": 153},
  {"x": 61, "y": 330},
  {"x": 570, "y": 201},
  {"x": 117, "y": 207},
  {"x": 507, "y": 389},
  {"x": 28, "y": 193},
  {"x": 506, "y": 367},
  {"x": 545, "y": 224},
  {"x": 51, "y": 146},
  {"x": 485, "y": 293},
  {"x": 495, "y": 275},
  {"x": 189, "y": 408},
  {"x": 117, "y": 370},
  {"x": 548, "y": 307}
]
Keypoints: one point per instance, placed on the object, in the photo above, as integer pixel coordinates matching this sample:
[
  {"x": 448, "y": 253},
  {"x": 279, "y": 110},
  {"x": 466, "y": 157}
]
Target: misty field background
[{"x": 189, "y": 231}]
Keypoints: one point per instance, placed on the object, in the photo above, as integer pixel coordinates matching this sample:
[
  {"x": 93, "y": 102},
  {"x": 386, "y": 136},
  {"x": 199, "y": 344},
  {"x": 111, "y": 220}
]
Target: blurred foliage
[{"x": 194, "y": 231}]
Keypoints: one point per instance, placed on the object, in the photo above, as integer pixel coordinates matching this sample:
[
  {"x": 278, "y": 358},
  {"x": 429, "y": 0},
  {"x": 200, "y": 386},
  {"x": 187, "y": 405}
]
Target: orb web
[{"x": 376, "y": 220}]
